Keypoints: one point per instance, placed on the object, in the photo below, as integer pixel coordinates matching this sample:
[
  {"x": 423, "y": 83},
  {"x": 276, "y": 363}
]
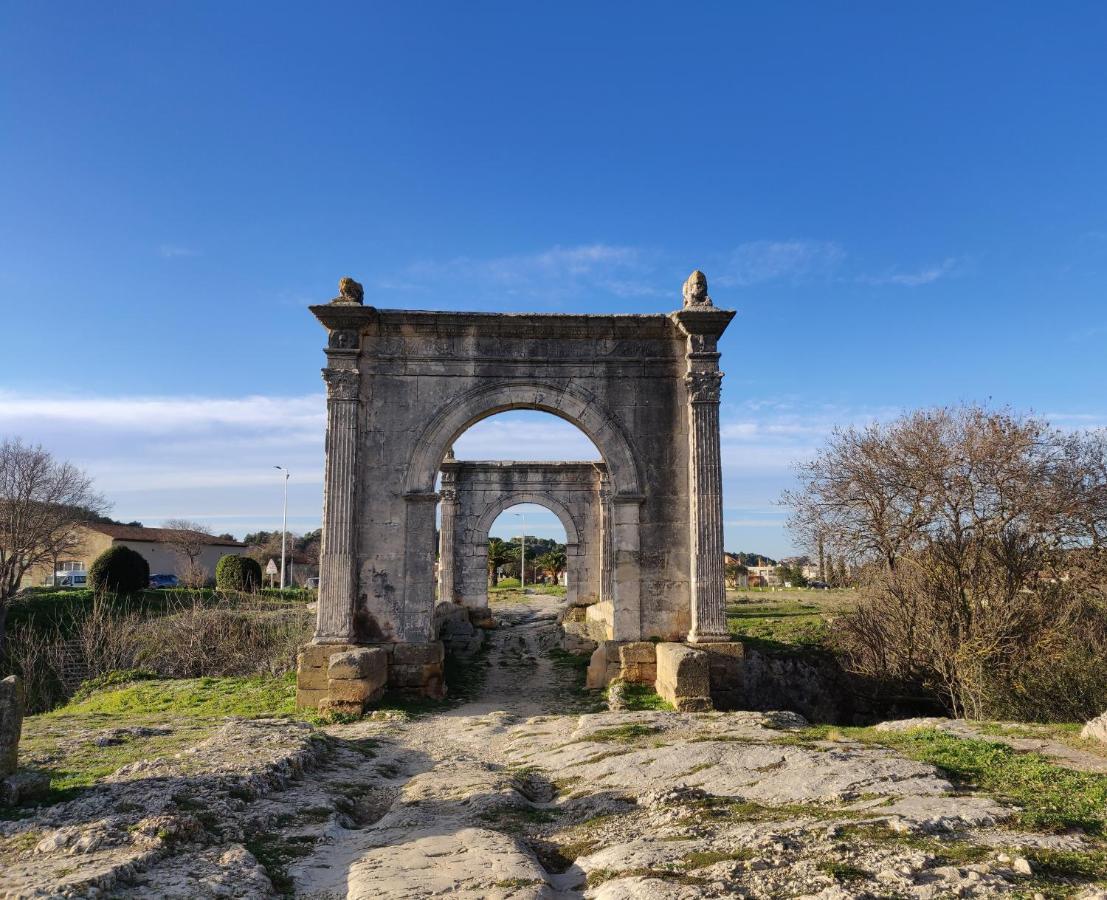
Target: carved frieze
[{"x": 343, "y": 339}]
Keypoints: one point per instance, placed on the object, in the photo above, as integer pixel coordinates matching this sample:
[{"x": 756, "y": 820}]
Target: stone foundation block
[
  {"x": 341, "y": 707},
  {"x": 366, "y": 662},
  {"x": 418, "y": 669},
  {"x": 684, "y": 677},
  {"x": 312, "y": 679},
  {"x": 432, "y": 653},
  {"x": 353, "y": 690},
  {"x": 308, "y": 698},
  {"x": 600, "y": 618},
  {"x": 726, "y": 662},
  {"x": 638, "y": 662},
  {"x": 604, "y": 666},
  {"x": 311, "y": 668}
]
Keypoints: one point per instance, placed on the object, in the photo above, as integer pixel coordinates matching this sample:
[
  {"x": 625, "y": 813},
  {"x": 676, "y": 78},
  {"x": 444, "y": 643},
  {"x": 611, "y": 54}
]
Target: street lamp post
[
  {"x": 284, "y": 520},
  {"x": 523, "y": 553}
]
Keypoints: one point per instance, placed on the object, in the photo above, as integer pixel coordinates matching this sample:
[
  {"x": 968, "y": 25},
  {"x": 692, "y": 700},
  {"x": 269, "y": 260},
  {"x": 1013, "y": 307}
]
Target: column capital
[
  {"x": 704, "y": 386},
  {"x": 342, "y": 384}
]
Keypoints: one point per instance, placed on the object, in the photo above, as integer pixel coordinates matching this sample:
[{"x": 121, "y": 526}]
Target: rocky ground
[{"x": 522, "y": 792}]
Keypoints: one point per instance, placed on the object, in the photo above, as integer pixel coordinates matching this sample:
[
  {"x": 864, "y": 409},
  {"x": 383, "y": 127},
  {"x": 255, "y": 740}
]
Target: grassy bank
[{"x": 103, "y": 728}]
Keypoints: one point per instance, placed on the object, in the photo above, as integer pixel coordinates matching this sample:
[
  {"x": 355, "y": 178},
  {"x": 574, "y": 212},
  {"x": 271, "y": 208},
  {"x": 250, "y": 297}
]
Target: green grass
[
  {"x": 779, "y": 627},
  {"x": 840, "y": 871},
  {"x": 251, "y": 698},
  {"x": 622, "y": 734},
  {"x": 643, "y": 697},
  {"x": 509, "y": 591},
  {"x": 190, "y": 709},
  {"x": 1050, "y": 796}
]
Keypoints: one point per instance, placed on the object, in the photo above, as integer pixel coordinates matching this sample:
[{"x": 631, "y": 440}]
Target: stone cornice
[
  {"x": 369, "y": 319},
  {"x": 709, "y": 321},
  {"x": 499, "y": 465}
]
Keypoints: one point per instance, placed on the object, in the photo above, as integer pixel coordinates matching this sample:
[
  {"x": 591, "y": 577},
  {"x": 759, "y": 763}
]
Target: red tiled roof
[{"x": 157, "y": 535}]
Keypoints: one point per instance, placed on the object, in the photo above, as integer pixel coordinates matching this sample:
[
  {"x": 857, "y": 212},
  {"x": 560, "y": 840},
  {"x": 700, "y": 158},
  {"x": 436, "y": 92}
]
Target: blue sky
[{"x": 907, "y": 206}]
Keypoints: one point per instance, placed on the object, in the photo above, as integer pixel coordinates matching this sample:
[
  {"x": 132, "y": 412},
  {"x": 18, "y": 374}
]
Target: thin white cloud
[
  {"x": 176, "y": 454},
  {"x": 166, "y": 414},
  {"x": 176, "y": 251},
  {"x": 795, "y": 261},
  {"x": 554, "y": 273},
  {"x": 917, "y": 278}
]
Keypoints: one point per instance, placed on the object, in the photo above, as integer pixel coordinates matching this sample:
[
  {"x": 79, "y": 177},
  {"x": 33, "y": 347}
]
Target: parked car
[
  {"x": 164, "y": 581},
  {"x": 820, "y": 585},
  {"x": 71, "y": 579},
  {"x": 312, "y": 583}
]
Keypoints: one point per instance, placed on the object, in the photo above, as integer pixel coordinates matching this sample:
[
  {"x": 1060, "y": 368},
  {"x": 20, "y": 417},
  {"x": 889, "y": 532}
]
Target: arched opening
[
  {"x": 573, "y": 405},
  {"x": 511, "y": 468},
  {"x": 529, "y": 548}
]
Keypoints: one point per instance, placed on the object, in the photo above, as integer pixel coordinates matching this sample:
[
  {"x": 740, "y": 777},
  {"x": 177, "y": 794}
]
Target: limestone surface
[{"x": 528, "y": 790}]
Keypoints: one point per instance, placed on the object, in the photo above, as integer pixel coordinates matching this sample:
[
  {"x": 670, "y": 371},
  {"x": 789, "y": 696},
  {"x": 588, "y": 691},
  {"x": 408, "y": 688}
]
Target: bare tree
[
  {"x": 42, "y": 501},
  {"x": 977, "y": 540},
  {"x": 188, "y": 542}
]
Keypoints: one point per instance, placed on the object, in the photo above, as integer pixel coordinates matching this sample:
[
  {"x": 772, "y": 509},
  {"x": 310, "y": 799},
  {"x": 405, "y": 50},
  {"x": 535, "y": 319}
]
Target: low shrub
[
  {"x": 507, "y": 583},
  {"x": 243, "y": 637},
  {"x": 237, "y": 573},
  {"x": 119, "y": 570}
]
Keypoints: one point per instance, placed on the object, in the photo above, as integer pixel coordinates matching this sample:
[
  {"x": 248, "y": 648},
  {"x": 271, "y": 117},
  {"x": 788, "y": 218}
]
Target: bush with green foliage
[
  {"x": 237, "y": 573},
  {"x": 119, "y": 570}
]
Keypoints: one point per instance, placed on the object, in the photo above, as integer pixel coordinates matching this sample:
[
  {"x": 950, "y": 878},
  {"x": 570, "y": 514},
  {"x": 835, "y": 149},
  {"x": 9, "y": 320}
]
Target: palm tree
[
  {"x": 552, "y": 563},
  {"x": 499, "y": 553}
]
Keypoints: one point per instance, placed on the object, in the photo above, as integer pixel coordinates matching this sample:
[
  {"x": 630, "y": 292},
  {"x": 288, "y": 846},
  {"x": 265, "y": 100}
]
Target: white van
[{"x": 71, "y": 579}]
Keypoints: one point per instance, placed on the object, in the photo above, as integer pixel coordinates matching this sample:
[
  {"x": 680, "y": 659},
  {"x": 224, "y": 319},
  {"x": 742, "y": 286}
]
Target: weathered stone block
[
  {"x": 370, "y": 663},
  {"x": 638, "y": 652},
  {"x": 313, "y": 678},
  {"x": 11, "y": 722},
  {"x": 353, "y": 690},
  {"x": 341, "y": 707},
  {"x": 310, "y": 698},
  {"x": 684, "y": 677},
  {"x": 418, "y": 654},
  {"x": 318, "y": 656},
  {"x": 603, "y": 666},
  {"x": 638, "y": 662}
]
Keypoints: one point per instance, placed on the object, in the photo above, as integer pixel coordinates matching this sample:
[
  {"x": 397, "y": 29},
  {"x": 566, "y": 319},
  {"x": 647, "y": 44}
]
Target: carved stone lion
[
  {"x": 349, "y": 291},
  {"x": 695, "y": 290}
]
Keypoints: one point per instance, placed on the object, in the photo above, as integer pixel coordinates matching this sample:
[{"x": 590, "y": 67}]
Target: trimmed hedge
[
  {"x": 120, "y": 570},
  {"x": 237, "y": 573}
]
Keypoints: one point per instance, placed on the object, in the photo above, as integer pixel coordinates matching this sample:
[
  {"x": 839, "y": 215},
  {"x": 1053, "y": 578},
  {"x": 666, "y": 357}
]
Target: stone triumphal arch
[
  {"x": 474, "y": 493},
  {"x": 402, "y": 385}
]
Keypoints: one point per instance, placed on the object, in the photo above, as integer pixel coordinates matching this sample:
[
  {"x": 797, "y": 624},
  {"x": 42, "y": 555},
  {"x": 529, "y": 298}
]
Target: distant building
[
  {"x": 155, "y": 544},
  {"x": 743, "y": 579},
  {"x": 763, "y": 576}
]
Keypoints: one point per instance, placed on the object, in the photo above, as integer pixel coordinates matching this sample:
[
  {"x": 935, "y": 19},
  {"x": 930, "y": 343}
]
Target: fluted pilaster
[
  {"x": 607, "y": 543},
  {"x": 337, "y": 577},
  {"x": 446, "y": 541},
  {"x": 706, "y": 489}
]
